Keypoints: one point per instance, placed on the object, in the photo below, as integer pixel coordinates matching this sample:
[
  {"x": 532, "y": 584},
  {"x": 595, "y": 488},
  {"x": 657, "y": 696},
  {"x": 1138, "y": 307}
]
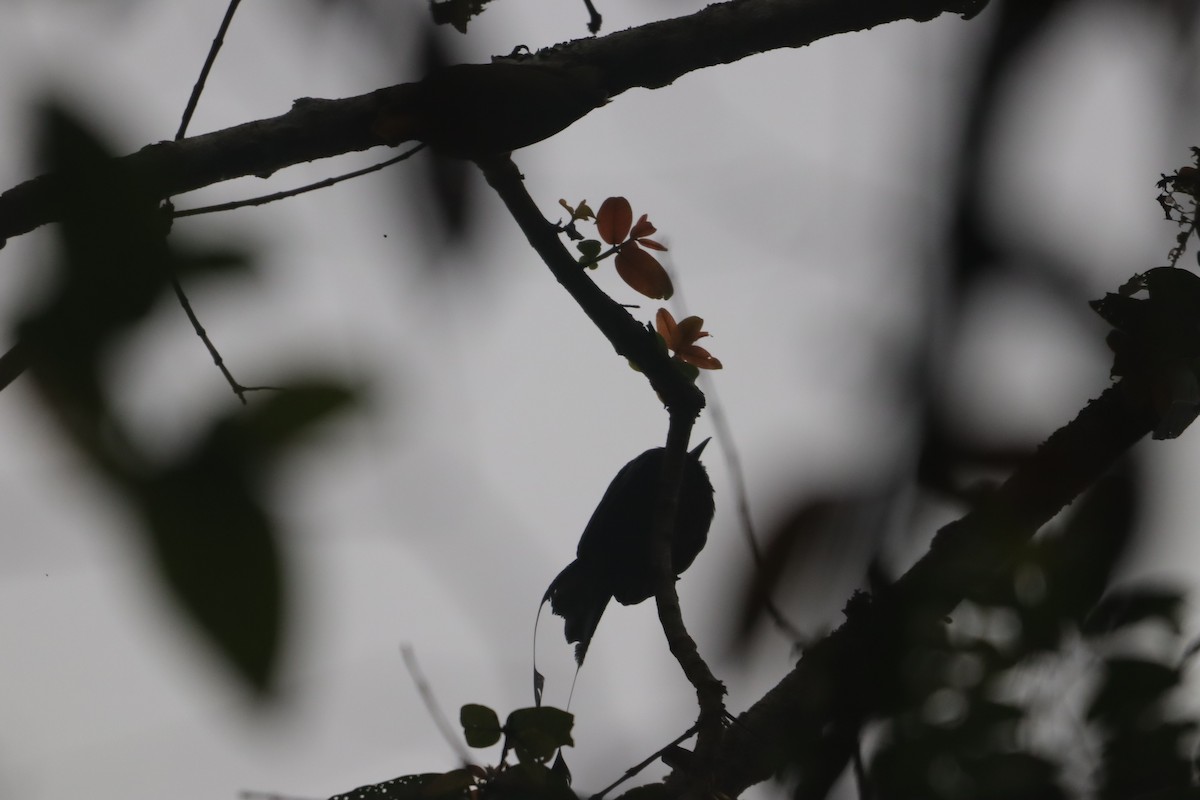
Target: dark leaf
[
  {"x": 643, "y": 273},
  {"x": 529, "y": 781},
  {"x": 1127, "y": 606},
  {"x": 216, "y": 548},
  {"x": 1130, "y": 690},
  {"x": 535, "y": 734},
  {"x": 278, "y": 419},
  {"x": 1080, "y": 560},
  {"x": 614, "y": 219},
  {"x": 480, "y": 725},
  {"x": 456, "y": 12},
  {"x": 560, "y": 768}
]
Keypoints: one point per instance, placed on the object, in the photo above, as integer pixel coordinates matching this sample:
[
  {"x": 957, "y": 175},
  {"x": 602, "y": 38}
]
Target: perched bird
[{"x": 614, "y": 558}]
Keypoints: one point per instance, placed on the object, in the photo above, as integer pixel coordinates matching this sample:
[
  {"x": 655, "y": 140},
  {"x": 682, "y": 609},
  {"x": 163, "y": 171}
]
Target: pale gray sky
[{"x": 792, "y": 189}]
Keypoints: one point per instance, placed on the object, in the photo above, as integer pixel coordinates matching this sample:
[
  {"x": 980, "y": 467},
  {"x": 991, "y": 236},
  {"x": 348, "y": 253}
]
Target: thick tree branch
[
  {"x": 805, "y": 724},
  {"x": 649, "y": 56}
]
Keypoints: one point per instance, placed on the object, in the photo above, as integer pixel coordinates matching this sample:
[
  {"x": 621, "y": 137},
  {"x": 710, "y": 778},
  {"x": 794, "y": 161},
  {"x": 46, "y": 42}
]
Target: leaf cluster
[{"x": 533, "y": 735}]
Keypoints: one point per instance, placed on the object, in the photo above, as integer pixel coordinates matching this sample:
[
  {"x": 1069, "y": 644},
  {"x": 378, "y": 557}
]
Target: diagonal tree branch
[
  {"x": 808, "y": 723},
  {"x": 649, "y": 56}
]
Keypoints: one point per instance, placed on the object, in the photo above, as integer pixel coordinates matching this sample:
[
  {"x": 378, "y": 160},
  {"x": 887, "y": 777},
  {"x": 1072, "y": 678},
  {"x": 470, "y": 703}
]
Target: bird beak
[{"x": 699, "y": 448}]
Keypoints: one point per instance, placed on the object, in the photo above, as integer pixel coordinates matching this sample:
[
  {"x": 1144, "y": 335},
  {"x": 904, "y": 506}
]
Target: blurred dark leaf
[
  {"x": 114, "y": 265},
  {"x": 1061, "y": 574},
  {"x": 1007, "y": 775},
  {"x": 1141, "y": 761},
  {"x": 1132, "y": 605},
  {"x": 947, "y": 454},
  {"x": 798, "y": 541},
  {"x": 535, "y": 734},
  {"x": 1130, "y": 689},
  {"x": 1081, "y": 560},
  {"x": 480, "y": 724},
  {"x": 205, "y": 522},
  {"x": 216, "y": 548},
  {"x": 277, "y": 419}
]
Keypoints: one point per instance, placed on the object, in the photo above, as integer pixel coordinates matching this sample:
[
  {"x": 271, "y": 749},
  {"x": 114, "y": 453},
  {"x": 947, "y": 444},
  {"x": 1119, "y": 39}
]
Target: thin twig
[
  {"x": 634, "y": 770},
  {"x": 311, "y": 187},
  {"x": 238, "y": 388},
  {"x": 198, "y": 89},
  {"x": 431, "y": 704},
  {"x": 169, "y": 209}
]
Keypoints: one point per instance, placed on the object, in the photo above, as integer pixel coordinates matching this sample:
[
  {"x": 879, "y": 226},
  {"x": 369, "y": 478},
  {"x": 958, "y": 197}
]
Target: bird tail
[{"x": 577, "y": 597}]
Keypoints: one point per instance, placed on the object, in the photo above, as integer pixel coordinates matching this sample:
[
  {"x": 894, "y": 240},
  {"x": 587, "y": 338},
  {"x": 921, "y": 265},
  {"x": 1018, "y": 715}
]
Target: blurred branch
[
  {"x": 409, "y": 654},
  {"x": 649, "y": 56}
]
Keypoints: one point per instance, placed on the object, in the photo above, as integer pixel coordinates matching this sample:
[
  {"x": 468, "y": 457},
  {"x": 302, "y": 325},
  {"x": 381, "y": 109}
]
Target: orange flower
[{"x": 681, "y": 338}]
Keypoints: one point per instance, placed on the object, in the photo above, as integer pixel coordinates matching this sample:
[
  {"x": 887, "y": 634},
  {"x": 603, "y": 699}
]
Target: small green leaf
[
  {"x": 589, "y": 249},
  {"x": 480, "y": 725}
]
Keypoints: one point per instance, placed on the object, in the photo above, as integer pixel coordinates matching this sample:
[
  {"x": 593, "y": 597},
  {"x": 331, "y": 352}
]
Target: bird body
[{"x": 614, "y": 558}]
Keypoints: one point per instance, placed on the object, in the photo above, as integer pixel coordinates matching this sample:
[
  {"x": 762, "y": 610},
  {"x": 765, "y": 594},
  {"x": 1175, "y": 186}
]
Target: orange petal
[
  {"x": 613, "y": 219},
  {"x": 642, "y": 228},
  {"x": 698, "y": 357},
  {"x": 667, "y": 329},
  {"x": 643, "y": 272},
  {"x": 653, "y": 245},
  {"x": 689, "y": 329}
]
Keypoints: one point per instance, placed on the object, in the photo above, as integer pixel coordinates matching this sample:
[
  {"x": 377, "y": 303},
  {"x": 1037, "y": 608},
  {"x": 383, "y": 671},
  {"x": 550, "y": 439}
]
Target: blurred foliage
[
  {"x": 958, "y": 729},
  {"x": 203, "y": 514}
]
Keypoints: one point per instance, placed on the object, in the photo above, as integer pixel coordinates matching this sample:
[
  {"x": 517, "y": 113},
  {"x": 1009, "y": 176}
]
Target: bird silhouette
[{"x": 614, "y": 557}]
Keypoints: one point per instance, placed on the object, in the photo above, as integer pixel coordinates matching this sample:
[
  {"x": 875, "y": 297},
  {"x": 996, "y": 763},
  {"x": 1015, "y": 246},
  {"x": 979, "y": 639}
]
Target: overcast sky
[{"x": 793, "y": 190}]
